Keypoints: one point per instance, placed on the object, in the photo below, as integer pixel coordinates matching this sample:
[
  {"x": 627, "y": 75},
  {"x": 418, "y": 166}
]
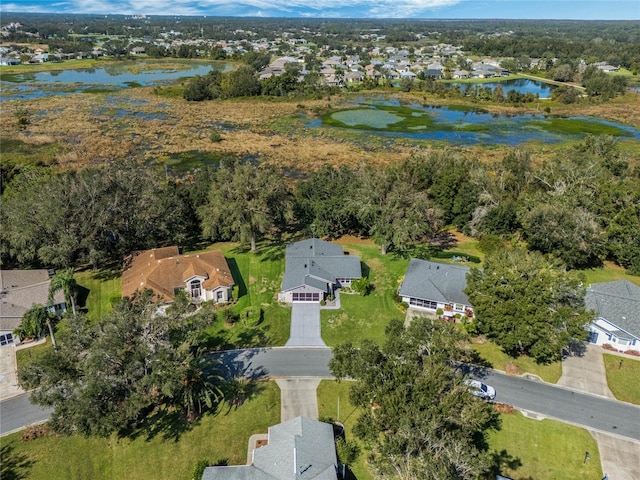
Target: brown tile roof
[{"x": 164, "y": 269}]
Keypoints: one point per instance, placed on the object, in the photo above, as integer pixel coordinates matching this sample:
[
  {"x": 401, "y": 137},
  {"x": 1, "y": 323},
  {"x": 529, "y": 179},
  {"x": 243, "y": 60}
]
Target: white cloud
[{"x": 264, "y": 8}]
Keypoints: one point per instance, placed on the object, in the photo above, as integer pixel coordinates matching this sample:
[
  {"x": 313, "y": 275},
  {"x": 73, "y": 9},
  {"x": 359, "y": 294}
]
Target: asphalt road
[
  {"x": 548, "y": 400},
  {"x": 17, "y": 412}
]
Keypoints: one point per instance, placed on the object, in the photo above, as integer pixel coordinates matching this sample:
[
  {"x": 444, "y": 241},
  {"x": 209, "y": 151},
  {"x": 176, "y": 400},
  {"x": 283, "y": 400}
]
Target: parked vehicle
[{"x": 480, "y": 389}]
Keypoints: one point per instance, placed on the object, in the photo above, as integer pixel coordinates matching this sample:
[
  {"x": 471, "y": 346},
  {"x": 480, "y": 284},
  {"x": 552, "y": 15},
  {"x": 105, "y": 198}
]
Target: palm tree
[{"x": 65, "y": 282}]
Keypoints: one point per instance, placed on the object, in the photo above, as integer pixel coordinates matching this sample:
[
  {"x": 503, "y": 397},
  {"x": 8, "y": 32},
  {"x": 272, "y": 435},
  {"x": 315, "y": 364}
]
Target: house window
[
  {"x": 343, "y": 281},
  {"x": 196, "y": 289},
  {"x": 418, "y": 302},
  {"x": 6, "y": 339},
  {"x": 306, "y": 297},
  {"x": 219, "y": 296}
]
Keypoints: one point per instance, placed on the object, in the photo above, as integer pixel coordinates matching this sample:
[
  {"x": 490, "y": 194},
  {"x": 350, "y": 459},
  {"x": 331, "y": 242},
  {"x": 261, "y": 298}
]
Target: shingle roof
[
  {"x": 316, "y": 263},
  {"x": 438, "y": 282},
  {"x": 299, "y": 449},
  {"x": 19, "y": 290},
  {"x": 164, "y": 269},
  {"x": 617, "y": 302}
]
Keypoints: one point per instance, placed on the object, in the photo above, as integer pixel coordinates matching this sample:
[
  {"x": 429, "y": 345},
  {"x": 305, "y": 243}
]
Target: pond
[
  {"x": 108, "y": 78},
  {"x": 463, "y": 125},
  {"x": 520, "y": 85}
]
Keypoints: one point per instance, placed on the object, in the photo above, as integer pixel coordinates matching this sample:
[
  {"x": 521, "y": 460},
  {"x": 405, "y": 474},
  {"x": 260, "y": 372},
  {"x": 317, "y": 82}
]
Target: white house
[
  {"x": 431, "y": 286},
  {"x": 314, "y": 269},
  {"x": 19, "y": 291},
  {"x": 617, "y": 307}
]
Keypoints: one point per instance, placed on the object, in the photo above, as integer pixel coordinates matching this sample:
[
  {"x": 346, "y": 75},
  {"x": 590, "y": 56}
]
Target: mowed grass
[
  {"x": 220, "y": 437},
  {"x": 493, "y": 354},
  {"x": 609, "y": 273},
  {"x": 541, "y": 450},
  {"x": 366, "y": 317},
  {"x": 334, "y": 396},
  {"x": 545, "y": 449},
  {"x": 99, "y": 291},
  {"x": 623, "y": 375}
]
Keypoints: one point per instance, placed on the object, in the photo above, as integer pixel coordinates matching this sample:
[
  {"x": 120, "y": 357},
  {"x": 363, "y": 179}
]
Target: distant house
[
  {"x": 431, "y": 286},
  {"x": 204, "y": 276},
  {"x": 9, "y": 61},
  {"x": 299, "y": 449},
  {"x": 433, "y": 73},
  {"x": 19, "y": 291},
  {"x": 314, "y": 269},
  {"x": 617, "y": 307},
  {"x": 137, "y": 50}
]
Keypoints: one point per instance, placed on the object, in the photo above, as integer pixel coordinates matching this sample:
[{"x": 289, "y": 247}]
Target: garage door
[{"x": 306, "y": 296}]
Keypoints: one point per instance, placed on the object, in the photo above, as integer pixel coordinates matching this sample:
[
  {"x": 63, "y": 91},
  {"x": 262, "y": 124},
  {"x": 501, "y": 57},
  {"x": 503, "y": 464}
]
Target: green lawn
[
  {"x": 545, "y": 449},
  {"x": 165, "y": 456},
  {"x": 366, "y": 317},
  {"x": 541, "y": 450},
  {"x": 99, "y": 291},
  {"x": 622, "y": 376},
  {"x": 493, "y": 354},
  {"x": 609, "y": 273}
]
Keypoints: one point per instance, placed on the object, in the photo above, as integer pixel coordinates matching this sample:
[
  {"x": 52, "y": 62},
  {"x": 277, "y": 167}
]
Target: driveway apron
[
  {"x": 305, "y": 326},
  {"x": 298, "y": 398},
  {"x": 586, "y": 373}
]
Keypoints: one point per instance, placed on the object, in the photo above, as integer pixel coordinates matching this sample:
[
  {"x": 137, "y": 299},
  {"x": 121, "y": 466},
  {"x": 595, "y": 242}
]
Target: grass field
[
  {"x": 99, "y": 291},
  {"x": 540, "y": 450},
  {"x": 168, "y": 455},
  {"x": 493, "y": 354},
  {"x": 623, "y": 375},
  {"x": 545, "y": 449}
]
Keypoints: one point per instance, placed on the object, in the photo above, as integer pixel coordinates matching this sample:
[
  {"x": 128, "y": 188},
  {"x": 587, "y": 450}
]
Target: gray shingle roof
[
  {"x": 617, "y": 302},
  {"x": 316, "y": 263},
  {"x": 438, "y": 282},
  {"x": 299, "y": 449},
  {"x": 19, "y": 290}
]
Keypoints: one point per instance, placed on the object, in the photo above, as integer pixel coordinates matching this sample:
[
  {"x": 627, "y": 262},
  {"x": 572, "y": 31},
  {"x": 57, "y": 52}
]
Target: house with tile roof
[
  {"x": 204, "y": 276},
  {"x": 430, "y": 286},
  {"x": 299, "y": 449},
  {"x": 617, "y": 307},
  {"x": 314, "y": 269},
  {"x": 19, "y": 291}
]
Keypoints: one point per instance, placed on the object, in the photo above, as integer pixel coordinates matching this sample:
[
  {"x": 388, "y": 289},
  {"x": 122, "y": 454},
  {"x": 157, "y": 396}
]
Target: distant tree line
[{"x": 582, "y": 206}]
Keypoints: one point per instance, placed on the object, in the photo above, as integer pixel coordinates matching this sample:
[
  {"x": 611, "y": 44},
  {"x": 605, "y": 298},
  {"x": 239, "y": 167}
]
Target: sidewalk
[
  {"x": 619, "y": 458},
  {"x": 8, "y": 373}
]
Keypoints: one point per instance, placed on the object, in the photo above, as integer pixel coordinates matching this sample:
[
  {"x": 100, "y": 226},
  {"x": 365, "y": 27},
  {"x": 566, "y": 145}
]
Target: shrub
[
  {"x": 215, "y": 136},
  {"x": 362, "y": 286},
  {"x": 35, "y": 431},
  {"x": 198, "y": 469},
  {"x": 439, "y": 311}
]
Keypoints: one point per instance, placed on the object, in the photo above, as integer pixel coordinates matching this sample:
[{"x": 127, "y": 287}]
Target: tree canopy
[
  {"x": 111, "y": 376},
  {"x": 528, "y": 303},
  {"x": 418, "y": 418}
]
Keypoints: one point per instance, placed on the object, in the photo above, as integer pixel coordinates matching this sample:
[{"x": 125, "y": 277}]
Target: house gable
[
  {"x": 617, "y": 306},
  {"x": 436, "y": 282},
  {"x": 164, "y": 271}
]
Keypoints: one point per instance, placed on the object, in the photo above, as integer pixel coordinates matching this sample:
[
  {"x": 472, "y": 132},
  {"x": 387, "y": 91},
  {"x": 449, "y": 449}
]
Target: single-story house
[
  {"x": 204, "y": 276},
  {"x": 299, "y": 449},
  {"x": 19, "y": 291},
  {"x": 314, "y": 269},
  {"x": 617, "y": 307},
  {"x": 431, "y": 286},
  {"x": 433, "y": 73},
  {"x": 9, "y": 61}
]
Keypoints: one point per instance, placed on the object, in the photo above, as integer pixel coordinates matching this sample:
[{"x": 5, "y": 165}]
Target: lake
[
  {"x": 520, "y": 85},
  {"x": 461, "y": 125},
  {"x": 110, "y": 77}
]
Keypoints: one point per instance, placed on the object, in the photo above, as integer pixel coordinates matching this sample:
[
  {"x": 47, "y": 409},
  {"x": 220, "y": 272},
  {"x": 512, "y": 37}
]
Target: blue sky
[{"x": 529, "y": 9}]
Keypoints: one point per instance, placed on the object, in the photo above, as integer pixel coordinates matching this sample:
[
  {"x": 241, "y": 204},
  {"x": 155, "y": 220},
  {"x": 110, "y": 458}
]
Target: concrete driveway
[
  {"x": 298, "y": 398},
  {"x": 8, "y": 373},
  {"x": 305, "y": 326}
]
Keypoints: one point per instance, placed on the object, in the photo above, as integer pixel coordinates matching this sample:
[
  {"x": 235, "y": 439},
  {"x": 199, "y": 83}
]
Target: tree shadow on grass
[
  {"x": 501, "y": 460},
  {"x": 237, "y": 276},
  {"x": 15, "y": 466}
]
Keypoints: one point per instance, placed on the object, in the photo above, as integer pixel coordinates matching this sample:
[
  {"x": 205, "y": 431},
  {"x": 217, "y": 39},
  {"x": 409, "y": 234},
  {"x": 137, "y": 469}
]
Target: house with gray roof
[
  {"x": 617, "y": 307},
  {"x": 430, "y": 286},
  {"x": 314, "y": 269},
  {"x": 19, "y": 291},
  {"x": 299, "y": 449}
]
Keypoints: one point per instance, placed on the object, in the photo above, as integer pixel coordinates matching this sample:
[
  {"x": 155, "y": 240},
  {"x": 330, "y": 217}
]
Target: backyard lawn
[
  {"x": 99, "y": 291},
  {"x": 170, "y": 454},
  {"x": 622, "y": 376}
]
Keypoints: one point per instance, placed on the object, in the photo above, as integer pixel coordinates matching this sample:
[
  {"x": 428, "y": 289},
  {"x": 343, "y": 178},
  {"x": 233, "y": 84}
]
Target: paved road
[
  {"x": 17, "y": 412},
  {"x": 566, "y": 405}
]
